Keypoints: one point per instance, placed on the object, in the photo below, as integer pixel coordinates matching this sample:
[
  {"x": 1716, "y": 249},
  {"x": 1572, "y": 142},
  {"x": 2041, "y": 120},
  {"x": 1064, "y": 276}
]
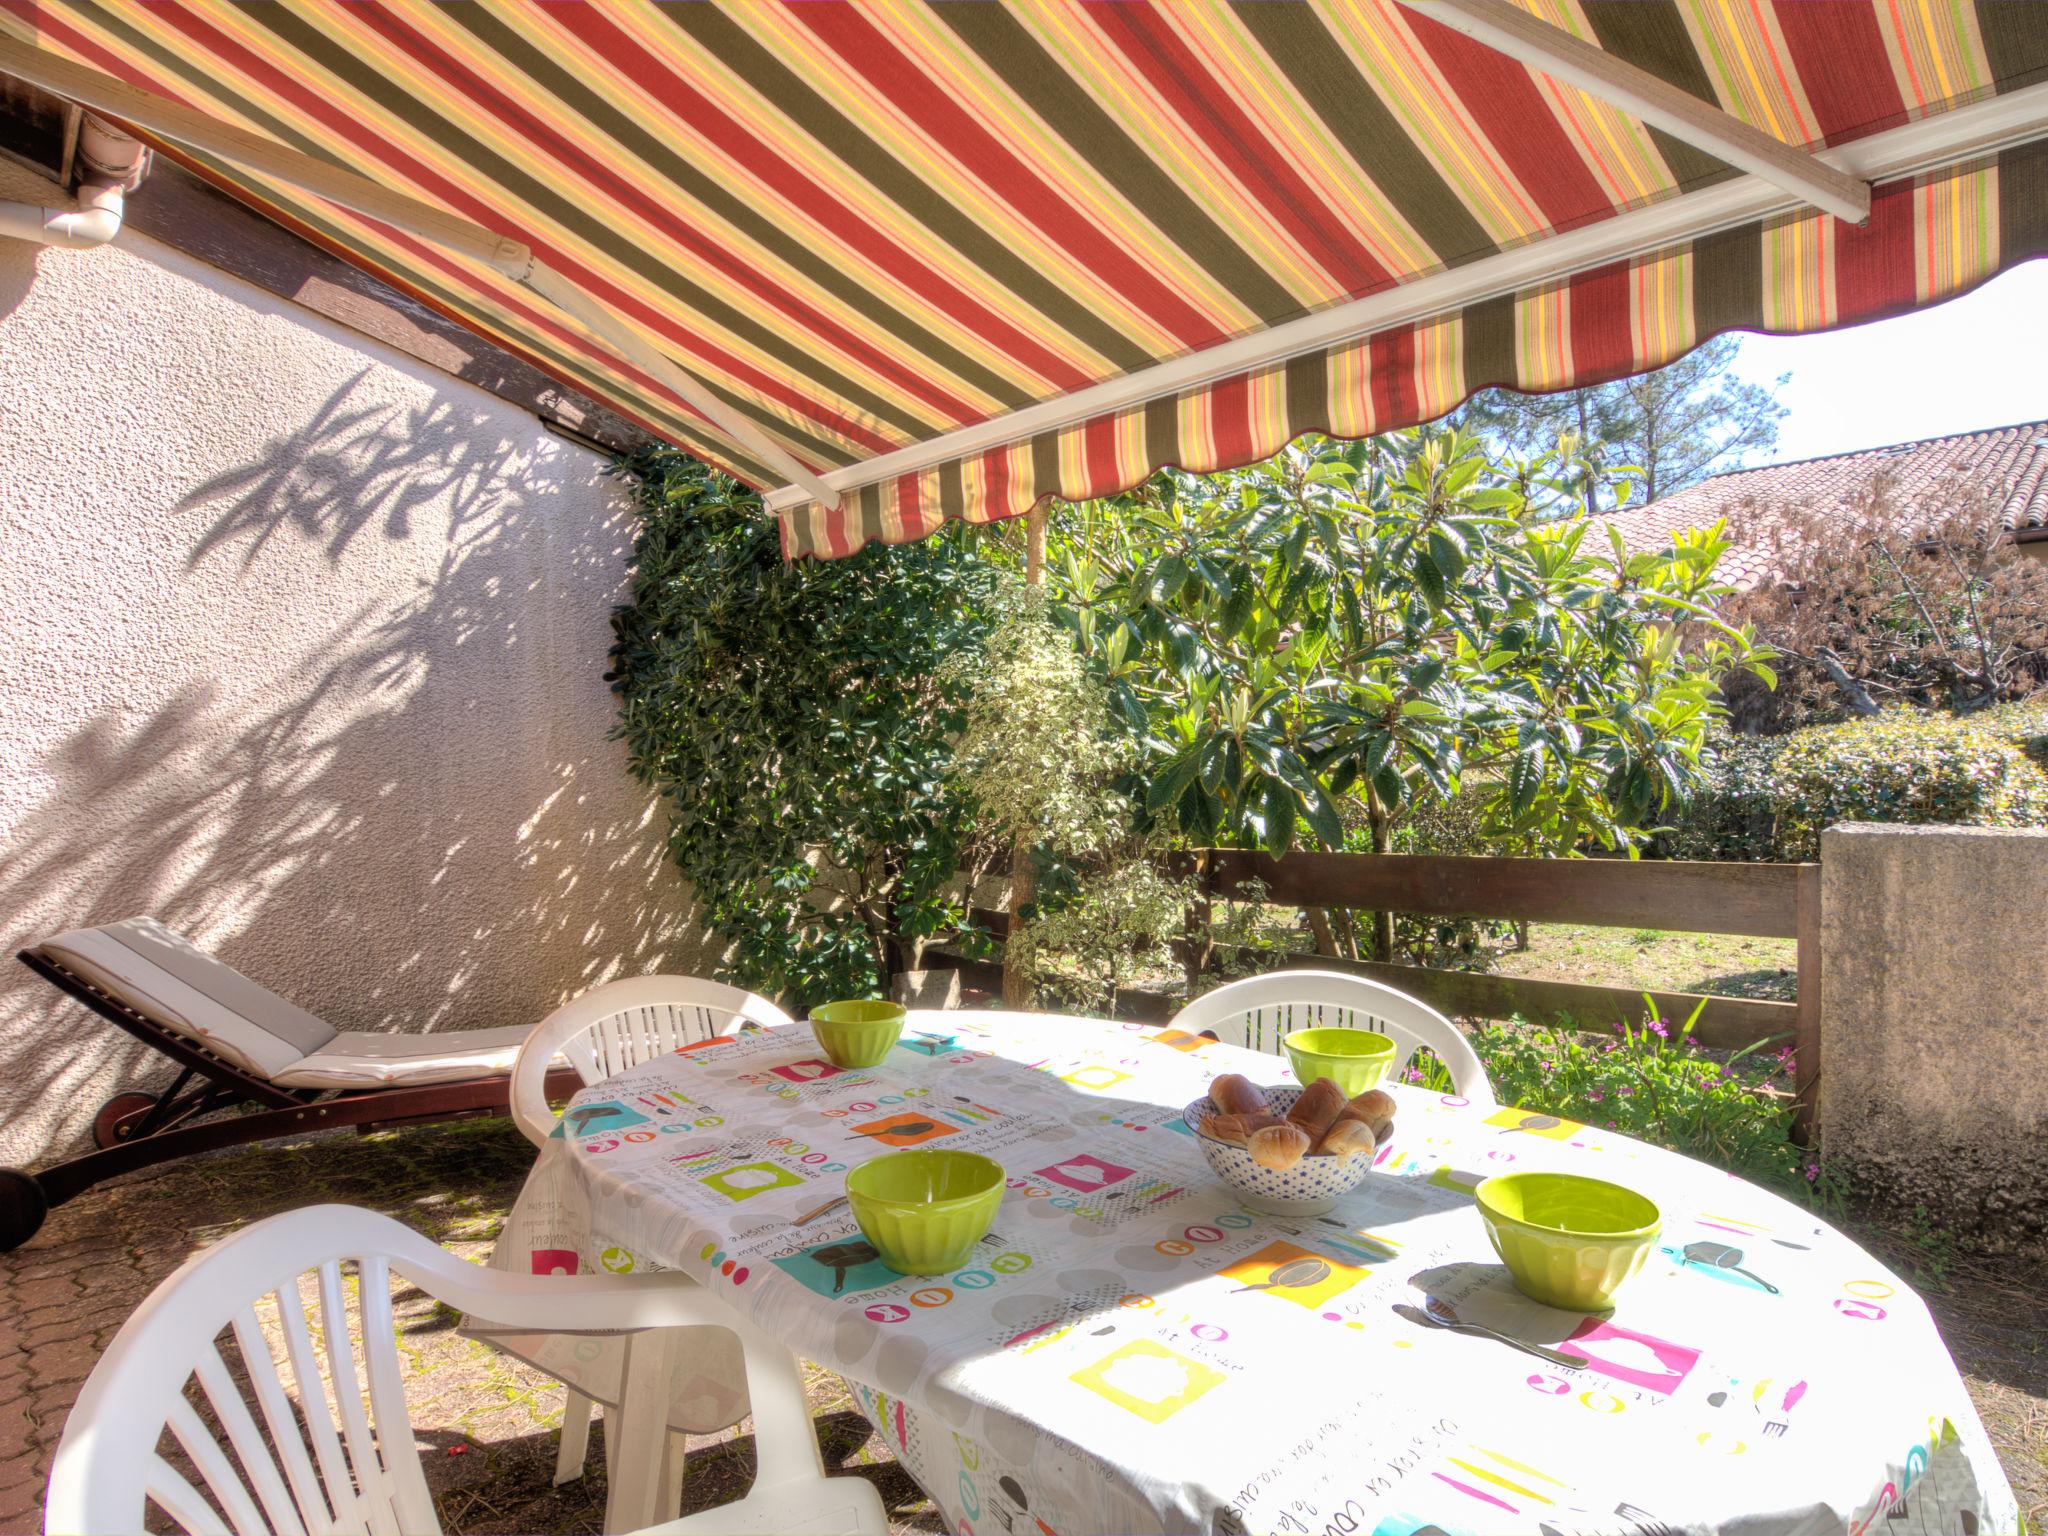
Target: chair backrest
[
  {"x": 1260, "y": 1011},
  {"x": 621, "y": 1024},
  {"x": 259, "y": 1335},
  {"x": 312, "y": 1405}
]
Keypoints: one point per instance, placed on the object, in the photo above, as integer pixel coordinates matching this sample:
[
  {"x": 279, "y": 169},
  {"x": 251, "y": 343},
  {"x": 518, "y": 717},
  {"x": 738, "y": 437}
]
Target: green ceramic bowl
[
  {"x": 857, "y": 1034},
  {"x": 1353, "y": 1059},
  {"x": 1570, "y": 1242},
  {"x": 925, "y": 1210}
]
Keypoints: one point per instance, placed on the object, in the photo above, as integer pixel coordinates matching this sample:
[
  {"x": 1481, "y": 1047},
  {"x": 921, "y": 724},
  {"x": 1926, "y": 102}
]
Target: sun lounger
[{"x": 239, "y": 1045}]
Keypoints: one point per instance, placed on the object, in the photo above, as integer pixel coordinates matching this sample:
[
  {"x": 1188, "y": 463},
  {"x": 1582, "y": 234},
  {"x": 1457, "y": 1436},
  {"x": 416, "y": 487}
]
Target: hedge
[{"x": 1769, "y": 797}]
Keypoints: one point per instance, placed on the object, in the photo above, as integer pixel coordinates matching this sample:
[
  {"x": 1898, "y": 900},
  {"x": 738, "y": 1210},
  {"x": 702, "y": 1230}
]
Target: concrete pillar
[{"x": 1934, "y": 1030}]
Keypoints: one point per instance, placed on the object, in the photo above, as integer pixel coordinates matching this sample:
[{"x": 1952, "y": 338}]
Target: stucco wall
[
  {"x": 301, "y": 649},
  {"x": 1934, "y": 1025}
]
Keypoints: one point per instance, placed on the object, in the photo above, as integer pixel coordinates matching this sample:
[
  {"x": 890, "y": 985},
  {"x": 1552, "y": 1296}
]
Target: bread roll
[
  {"x": 1225, "y": 1127},
  {"x": 1317, "y": 1108},
  {"x": 1345, "y": 1140},
  {"x": 1278, "y": 1147},
  {"x": 1373, "y": 1107},
  {"x": 1237, "y": 1128},
  {"x": 1236, "y": 1095}
]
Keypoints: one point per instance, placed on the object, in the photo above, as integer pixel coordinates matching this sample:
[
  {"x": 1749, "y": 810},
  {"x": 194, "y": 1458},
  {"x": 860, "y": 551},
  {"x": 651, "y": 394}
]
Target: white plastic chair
[
  {"x": 327, "y": 1445},
  {"x": 1260, "y": 1011},
  {"x": 620, "y": 1025},
  {"x": 608, "y": 1029}
]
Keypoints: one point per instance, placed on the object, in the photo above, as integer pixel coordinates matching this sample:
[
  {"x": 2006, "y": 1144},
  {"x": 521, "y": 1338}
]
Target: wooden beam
[
  {"x": 1806, "y": 1083},
  {"x": 1725, "y": 1023},
  {"x": 173, "y": 120},
  {"x": 1511, "y": 30},
  {"x": 1677, "y": 896}
]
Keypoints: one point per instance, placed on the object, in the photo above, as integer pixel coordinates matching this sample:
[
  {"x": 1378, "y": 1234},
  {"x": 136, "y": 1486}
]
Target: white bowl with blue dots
[{"x": 1309, "y": 1188}]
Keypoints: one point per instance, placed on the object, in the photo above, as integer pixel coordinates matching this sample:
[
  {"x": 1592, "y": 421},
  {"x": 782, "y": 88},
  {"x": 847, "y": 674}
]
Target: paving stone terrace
[{"x": 486, "y": 1425}]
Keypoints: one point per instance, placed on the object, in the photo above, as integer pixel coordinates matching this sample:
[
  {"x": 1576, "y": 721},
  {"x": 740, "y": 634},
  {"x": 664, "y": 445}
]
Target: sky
[{"x": 1974, "y": 362}]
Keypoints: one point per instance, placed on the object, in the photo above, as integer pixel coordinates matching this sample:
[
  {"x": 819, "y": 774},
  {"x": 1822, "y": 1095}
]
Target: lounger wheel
[
  {"x": 107, "y": 1127},
  {"x": 23, "y": 1205}
]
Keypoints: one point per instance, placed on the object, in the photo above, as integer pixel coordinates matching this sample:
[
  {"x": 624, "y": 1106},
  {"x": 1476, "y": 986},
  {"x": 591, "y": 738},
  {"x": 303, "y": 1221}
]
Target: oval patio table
[{"x": 1130, "y": 1350}]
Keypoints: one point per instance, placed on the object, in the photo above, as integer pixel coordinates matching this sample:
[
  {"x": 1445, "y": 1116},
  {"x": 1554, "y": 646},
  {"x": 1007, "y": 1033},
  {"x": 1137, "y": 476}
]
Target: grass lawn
[{"x": 1725, "y": 964}]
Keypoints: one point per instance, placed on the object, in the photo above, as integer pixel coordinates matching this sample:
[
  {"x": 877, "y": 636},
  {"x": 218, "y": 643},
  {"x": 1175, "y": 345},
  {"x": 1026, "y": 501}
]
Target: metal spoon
[
  {"x": 1297, "y": 1272},
  {"x": 1480, "y": 1330},
  {"x": 1721, "y": 1256},
  {"x": 812, "y": 1215}
]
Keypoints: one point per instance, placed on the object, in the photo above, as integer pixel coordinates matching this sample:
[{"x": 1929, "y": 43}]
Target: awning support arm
[
  {"x": 175, "y": 121},
  {"x": 629, "y": 343},
  {"x": 1508, "y": 29}
]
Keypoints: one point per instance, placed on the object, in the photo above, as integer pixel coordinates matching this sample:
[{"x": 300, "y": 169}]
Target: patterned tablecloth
[{"x": 1132, "y": 1351}]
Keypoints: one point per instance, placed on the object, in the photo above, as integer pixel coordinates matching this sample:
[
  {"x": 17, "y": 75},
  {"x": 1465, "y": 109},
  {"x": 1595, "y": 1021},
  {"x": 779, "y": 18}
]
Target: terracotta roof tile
[{"x": 2009, "y": 464}]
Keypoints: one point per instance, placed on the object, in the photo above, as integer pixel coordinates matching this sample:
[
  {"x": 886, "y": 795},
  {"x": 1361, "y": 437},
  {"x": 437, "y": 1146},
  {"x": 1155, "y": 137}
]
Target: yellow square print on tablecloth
[
  {"x": 1148, "y": 1379},
  {"x": 1294, "y": 1274},
  {"x": 1529, "y": 1122}
]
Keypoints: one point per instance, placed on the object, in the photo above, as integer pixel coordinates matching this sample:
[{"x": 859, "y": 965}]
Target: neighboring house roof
[{"x": 2007, "y": 464}]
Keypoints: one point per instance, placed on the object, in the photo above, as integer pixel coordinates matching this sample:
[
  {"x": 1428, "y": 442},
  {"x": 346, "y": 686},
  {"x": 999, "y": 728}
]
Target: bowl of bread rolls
[{"x": 1289, "y": 1151}]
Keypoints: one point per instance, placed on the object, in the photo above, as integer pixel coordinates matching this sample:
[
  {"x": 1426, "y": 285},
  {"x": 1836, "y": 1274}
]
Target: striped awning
[{"x": 895, "y": 263}]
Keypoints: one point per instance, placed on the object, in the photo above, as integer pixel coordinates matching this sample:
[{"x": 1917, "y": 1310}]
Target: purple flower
[
  {"x": 1812, "y": 1172},
  {"x": 1657, "y": 1028},
  {"x": 1594, "y": 1095},
  {"x": 1624, "y": 1090}
]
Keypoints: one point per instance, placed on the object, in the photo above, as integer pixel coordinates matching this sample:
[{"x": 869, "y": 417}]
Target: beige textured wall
[
  {"x": 1934, "y": 1024},
  {"x": 301, "y": 649}
]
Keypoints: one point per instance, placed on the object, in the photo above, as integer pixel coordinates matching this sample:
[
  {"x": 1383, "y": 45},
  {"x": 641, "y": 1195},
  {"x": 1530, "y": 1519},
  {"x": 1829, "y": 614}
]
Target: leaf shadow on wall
[{"x": 408, "y": 819}]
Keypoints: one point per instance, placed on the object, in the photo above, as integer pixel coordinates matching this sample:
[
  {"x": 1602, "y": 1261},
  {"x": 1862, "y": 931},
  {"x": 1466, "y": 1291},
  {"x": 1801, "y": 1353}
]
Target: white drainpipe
[{"x": 113, "y": 164}]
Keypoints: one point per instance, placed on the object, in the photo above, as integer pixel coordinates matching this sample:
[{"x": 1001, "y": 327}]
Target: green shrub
[
  {"x": 1770, "y": 797},
  {"x": 1656, "y": 1085},
  {"x": 1736, "y": 815},
  {"x": 2024, "y": 724},
  {"x": 794, "y": 721},
  {"x": 1902, "y": 766}
]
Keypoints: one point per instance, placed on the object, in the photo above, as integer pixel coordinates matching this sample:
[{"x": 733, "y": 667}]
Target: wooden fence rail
[{"x": 1758, "y": 900}]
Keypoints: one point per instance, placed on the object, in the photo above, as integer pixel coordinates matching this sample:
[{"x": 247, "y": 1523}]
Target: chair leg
[
  {"x": 575, "y": 1449},
  {"x": 673, "y": 1465},
  {"x": 791, "y": 1493},
  {"x": 641, "y": 1430}
]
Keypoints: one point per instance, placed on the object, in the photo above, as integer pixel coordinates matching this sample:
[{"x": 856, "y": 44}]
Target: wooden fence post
[{"x": 1806, "y": 1036}]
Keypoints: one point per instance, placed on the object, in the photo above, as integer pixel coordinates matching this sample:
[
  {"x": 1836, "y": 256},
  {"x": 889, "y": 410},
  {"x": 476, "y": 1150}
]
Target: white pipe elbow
[{"x": 95, "y": 221}]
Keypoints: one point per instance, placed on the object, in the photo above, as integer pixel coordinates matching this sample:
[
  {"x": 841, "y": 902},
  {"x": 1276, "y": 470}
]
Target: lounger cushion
[
  {"x": 165, "y": 976},
  {"x": 354, "y": 1059}
]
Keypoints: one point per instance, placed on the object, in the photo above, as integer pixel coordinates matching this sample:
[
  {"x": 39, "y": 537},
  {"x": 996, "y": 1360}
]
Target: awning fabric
[
  {"x": 868, "y": 225},
  {"x": 1928, "y": 239}
]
